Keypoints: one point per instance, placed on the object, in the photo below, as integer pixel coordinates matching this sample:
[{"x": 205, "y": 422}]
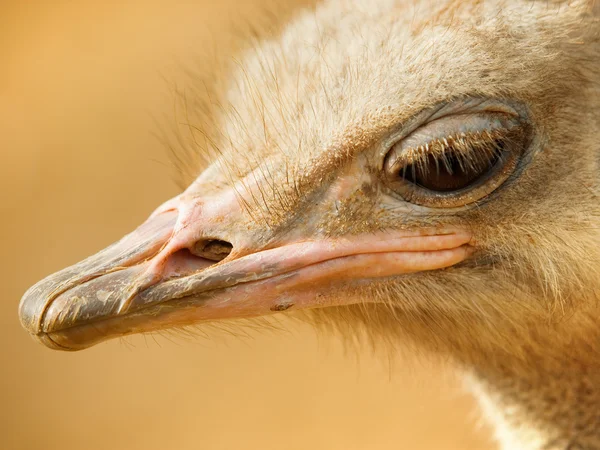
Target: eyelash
[
  {"x": 458, "y": 169},
  {"x": 471, "y": 150}
]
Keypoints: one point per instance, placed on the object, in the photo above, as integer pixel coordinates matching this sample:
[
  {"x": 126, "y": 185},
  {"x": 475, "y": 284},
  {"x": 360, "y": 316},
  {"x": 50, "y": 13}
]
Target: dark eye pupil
[{"x": 449, "y": 172}]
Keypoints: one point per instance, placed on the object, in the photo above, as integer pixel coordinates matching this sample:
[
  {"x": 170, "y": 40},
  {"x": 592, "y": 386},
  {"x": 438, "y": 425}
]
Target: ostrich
[{"x": 419, "y": 172}]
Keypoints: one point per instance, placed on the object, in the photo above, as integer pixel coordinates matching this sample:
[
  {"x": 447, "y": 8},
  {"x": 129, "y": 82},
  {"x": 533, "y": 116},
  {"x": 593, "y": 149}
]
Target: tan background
[{"x": 79, "y": 83}]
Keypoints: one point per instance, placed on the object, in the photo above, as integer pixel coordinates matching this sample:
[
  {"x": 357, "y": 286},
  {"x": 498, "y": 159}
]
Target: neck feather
[{"x": 554, "y": 404}]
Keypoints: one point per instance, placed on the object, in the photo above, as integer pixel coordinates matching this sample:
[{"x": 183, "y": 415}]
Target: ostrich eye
[{"x": 455, "y": 161}]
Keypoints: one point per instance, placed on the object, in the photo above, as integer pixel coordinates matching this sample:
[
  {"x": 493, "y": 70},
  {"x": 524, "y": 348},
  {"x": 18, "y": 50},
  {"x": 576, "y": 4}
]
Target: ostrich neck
[{"x": 552, "y": 402}]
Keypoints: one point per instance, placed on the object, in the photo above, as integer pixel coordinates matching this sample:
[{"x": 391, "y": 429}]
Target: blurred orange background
[{"x": 80, "y": 83}]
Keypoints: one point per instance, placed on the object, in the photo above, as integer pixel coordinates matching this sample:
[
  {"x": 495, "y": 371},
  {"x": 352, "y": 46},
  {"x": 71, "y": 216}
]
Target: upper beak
[{"x": 153, "y": 278}]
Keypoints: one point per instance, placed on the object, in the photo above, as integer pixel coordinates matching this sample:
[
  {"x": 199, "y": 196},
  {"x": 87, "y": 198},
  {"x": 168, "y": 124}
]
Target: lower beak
[{"x": 131, "y": 287}]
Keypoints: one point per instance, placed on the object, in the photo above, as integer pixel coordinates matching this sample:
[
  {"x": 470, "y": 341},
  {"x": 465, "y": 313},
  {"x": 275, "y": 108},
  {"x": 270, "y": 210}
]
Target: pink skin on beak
[{"x": 150, "y": 279}]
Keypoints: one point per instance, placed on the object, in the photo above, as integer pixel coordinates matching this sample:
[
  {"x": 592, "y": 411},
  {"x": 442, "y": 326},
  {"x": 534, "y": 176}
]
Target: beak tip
[
  {"x": 31, "y": 310},
  {"x": 34, "y": 312},
  {"x": 46, "y": 340}
]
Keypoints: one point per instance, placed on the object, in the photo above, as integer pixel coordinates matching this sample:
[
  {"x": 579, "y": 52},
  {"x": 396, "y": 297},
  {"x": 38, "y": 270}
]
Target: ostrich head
[{"x": 424, "y": 170}]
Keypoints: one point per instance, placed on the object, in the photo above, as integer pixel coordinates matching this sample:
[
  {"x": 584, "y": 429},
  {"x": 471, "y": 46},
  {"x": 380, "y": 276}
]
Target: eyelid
[
  {"x": 456, "y": 125},
  {"x": 476, "y": 106},
  {"x": 473, "y": 146}
]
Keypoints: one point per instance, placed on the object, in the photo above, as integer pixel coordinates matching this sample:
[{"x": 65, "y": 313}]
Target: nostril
[{"x": 212, "y": 249}]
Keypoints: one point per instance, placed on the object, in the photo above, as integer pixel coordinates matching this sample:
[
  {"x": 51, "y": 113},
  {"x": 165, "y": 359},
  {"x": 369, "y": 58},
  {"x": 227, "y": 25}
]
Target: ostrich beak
[{"x": 152, "y": 278}]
